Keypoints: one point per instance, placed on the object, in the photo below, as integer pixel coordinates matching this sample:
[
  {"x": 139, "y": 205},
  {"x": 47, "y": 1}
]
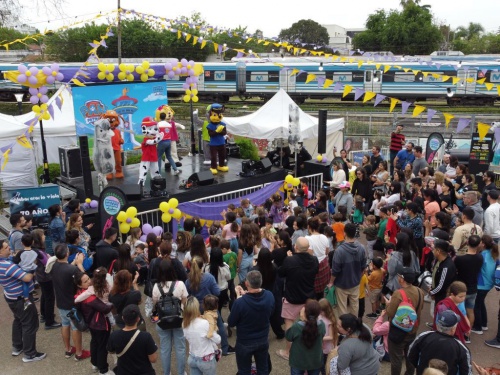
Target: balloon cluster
[
  {"x": 41, "y": 111},
  {"x": 53, "y": 74},
  {"x": 144, "y": 71},
  {"x": 185, "y": 68},
  {"x": 291, "y": 182},
  {"x": 128, "y": 220},
  {"x": 126, "y": 71},
  {"x": 147, "y": 228},
  {"x": 90, "y": 203},
  {"x": 38, "y": 95},
  {"x": 27, "y": 75},
  {"x": 170, "y": 210},
  {"x": 106, "y": 71},
  {"x": 322, "y": 158}
]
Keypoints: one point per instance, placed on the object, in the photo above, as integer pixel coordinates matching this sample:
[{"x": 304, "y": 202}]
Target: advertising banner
[{"x": 133, "y": 101}]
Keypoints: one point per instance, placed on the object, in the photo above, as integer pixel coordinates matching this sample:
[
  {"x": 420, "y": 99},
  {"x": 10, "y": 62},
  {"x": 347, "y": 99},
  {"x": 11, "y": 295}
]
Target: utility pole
[{"x": 119, "y": 34}]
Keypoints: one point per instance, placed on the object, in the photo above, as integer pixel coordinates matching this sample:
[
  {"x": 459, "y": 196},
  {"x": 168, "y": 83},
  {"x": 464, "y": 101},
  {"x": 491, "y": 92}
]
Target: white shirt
[
  {"x": 223, "y": 277},
  {"x": 319, "y": 245},
  {"x": 180, "y": 290},
  {"x": 196, "y": 335},
  {"x": 337, "y": 178},
  {"x": 393, "y": 198},
  {"x": 492, "y": 220}
]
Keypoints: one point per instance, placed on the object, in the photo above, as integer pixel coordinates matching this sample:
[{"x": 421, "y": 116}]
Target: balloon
[
  {"x": 135, "y": 223},
  {"x": 94, "y": 204},
  {"x": 186, "y": 98},
  {"x": 139, "y": 70},
  {"x": 124, "y": 228},
  {"x": 158, "y": 230},
  {"x": 289, "y": 186},
  {"x": 194, "y": 99},
  {"x": 146, "y": 229},
  {"x": 144, "y": 78},
  {"x": 173, "y": 202},
  {"x": 34, "y": 99},
  {"x": 325, "y": 159},
  {"x": 177, "y": 214},
  {"x": 289, "y": 178},
  {"x": 145, "y": 64},
  {"x": 122, "y": 216},
  {"x": 101, "y": 75},
  {"x": 143, "y": 238},
  {"x": 131, "y": 211},
  {"x": 166, "y": 218},
  {"x": 171, "y": 74},
  {"x": 87, "y": 200},
  {"x": 296, "y": 181},
  {"x": 151, "y": 72},
  {"x": 129, "y": 220},
  {"x": 100, "y": 66},
  {"x": 164, "y": 206},
  {"x": 319, "y": 157},
  {"x": 168, "y": 66},
  {"x": 309, "y": 194}
]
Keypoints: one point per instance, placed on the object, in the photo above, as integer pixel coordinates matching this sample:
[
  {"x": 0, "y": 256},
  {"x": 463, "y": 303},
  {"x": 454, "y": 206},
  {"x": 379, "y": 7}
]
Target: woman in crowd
[
  {"x": 365, "y": 164},
  {"x": 467, "y": 182},
  {"x": 439, "y": 178},
  {"x": 133, "y": 239},
  {"x": 402, "y": 257},
  {"x": 170, "y": 337},
  {"x": 346, "y": 163},
  {"x": 362, "y": 187},
  {"x": 431, "y": 205},
  {"x": 124, "y": 261},
  {"x": 320, "y": 203},
  {"x": 443, "y": 225},
  {"x": 221, "y": 272},
  {"x": 152, "y": 244},
  {"x": 399, "y": 176},
  {"x": 451, "y": 169},
  {"x": 73, "y": 241},
  {"x": 57, "y": 229},
  {"x": 394, "y": 193},
  {"x": 447, "y": 196},
  {"x": 124, "y": 292},
  {"x": 431, "y": 184},
  {"x": 408, "y": 171},
  {"x": 201, "y": 358},
  {"x": 246, "y": 251},
  {"x": 72, "y": 207},
  {"x": 76, "y": 222},
  {"x": 381, "y": 177},
  {"x": 300, "y": 228},
  {"x": 344, "y": 198},
  {"x": 338, "y": 175},
  {"x": 198, "y": 249}
]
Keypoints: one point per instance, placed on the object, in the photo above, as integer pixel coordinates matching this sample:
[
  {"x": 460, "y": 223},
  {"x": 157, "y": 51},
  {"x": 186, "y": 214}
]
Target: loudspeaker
[
  {"x": 71, "y": 161},
  {"x": 202, "y": 178},
  {"x": 313, "y": 167},
  {"x": 322, "y": 116},
  {"x": 247, "y": 166},
  {"x": 87, "y": 174},
  {"x": 132, "y": 191},
  {"x": 264, "y": 165}
]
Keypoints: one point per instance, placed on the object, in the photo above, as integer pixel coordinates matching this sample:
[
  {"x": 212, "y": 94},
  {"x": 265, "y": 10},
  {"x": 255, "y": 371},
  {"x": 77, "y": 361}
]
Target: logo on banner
[
  {"x": 92, "y": 110},
  {"x": 112, "y": 205}
]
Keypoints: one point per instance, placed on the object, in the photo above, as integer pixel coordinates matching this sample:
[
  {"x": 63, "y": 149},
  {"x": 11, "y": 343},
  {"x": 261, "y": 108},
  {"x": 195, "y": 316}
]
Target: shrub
[
  {"x": 54, "y": 171},
  {"x": 248, "y": 150}
]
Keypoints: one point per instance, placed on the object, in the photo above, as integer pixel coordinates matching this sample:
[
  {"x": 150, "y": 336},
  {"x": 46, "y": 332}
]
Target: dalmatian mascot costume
[
  {"x": 149, "y": 159},
  {"x": 103, "y": 156},
  {"x": 174, "y": 136},
  {"x": 217, "y": 131}
]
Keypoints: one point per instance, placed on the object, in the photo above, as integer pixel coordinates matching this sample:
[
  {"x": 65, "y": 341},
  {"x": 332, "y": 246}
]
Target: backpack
[
  {"x": 406, "y": 316},
  {"x": 496, "y": 276},
  {"x": 169, "y": 309}
]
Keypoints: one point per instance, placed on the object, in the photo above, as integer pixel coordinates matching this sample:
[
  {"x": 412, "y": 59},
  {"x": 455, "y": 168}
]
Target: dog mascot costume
[
  {"x": 149, "y": 159},
  {"x": 103, "y": 156},
  {"x": 217, "y": 131},
  {"x": 174, "y": 136},
  {"x": 116, "y": 142}
]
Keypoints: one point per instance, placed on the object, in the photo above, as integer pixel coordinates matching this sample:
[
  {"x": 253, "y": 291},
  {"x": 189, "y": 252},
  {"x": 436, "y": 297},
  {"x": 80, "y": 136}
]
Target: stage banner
[
  {"x": 133, "y": 101},
  {"x": 434, "y": 143},
  {"x": 35, "y": 202},
  {"x": 111, "y": 201}
]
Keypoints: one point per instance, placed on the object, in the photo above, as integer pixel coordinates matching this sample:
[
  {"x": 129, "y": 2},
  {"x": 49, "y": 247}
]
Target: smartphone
[{"x": 388, "y": 296}]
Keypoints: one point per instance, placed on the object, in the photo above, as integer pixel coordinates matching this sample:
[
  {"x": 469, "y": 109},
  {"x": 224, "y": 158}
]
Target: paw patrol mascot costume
[
  {"x": 116, "y": 142},
  {"x": 103, "y": 158},
  {"x": 149, "y": 159},
  {"x": 217, "y": 130},
  {"x": 174, "y": 136}
]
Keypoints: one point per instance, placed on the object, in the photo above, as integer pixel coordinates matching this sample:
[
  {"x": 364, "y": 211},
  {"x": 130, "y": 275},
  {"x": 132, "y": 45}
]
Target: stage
[{"x": 223, "y": 182}]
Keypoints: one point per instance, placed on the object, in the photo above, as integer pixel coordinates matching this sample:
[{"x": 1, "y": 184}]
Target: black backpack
[{"x": 169, "y": 309}]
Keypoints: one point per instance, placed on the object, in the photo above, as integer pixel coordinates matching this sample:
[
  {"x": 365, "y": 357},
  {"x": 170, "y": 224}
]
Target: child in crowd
[
  {"x": 332, "y": 241},
  {"x": 247, "y": 207},
  {"x": 299, "y": 198},
  {"x": 212, "y": 242},
  {"x": 362, "y": 293},
  {"x": 338, "y": 227},
  {"x": 304, "y": 185},
  {"x": 276, "y": 211},
  {"x": 210, "y": 314},
  {"x": 297, "y": 211},
  {"x": 381, "y": 328},
  {"x": 134, "y": 238},
  {"x": 231, "y": 259},
  {"x": 323, "y": 221},
  {"x": 231, "y": 229},
  {"x": 377, "y": 198},
  {"x": 370, "y": 230},
  {"x": 292, "y": 202},
  {"x": 27, "y": 261},
  {"x": 240, "y": 214},
  {"x": 331, "y": 337},
  {"x": 357, "y": 217},
  {"x": 260, "y": 220},
  {"x": 169, "y": 238},
  {"x": 139, "y": 257},
  {"x": 183, "y": 244},
  {"x": 375, "y": 285},
  {"x": 215, "y": 229}
]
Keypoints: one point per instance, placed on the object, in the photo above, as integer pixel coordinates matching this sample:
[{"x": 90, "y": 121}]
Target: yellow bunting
[
  {"x": 294, "y": 72},
  {"x": 347, "y": 90},
  {"x": 335, "y": 57},
  {"x": 425, "y": 74},
  {"x": 310, "y": 77},
  {"x": 482, "y": 129},
  {"x": 328, "y": 83},
  {"x": 447, "y": 118},
  {"x": 77, "y": 82},
  {"x": 406, "y": 70},
  {"x": 455, "y": 80},
  {"x": 266, "y": 43},
  {"x": 278, "y": 64},
  {"x": 415, "y": 72},
  {"x": 394, "y": 101},
  {"x": 216, "y": 47},
  {"x": 398, "y": 67},
  {"x": 435, "y": 75},
  {"x": 481, "y": 81},
  {"x": 498, "y": 90},
  {"x": 377, "y": 66},
  {"x": 445, "y": 77},
  {"x": 343, "y": 59},
  {"x": 418, "y": 110},
  {"x": 489, "y": 86},
  {"x": 259, "y": 41},
  {"x": 5, "y": 158},
  {"x": 360, "y": 62},
  {"x": 249, "y": 40},
  {"x": 303, "y": 50},
  {"x": 23, "y": 141},
  {"x": 369, "y": 95},
  {"x": 195, "y": 40},
  {"x": 386, "y": 68},
  {"x": 203, "y": 44},
  {"x": 352, "y": 60},
  {"x": 179, "y": 34},
  {"x": 470, "y": 80}
]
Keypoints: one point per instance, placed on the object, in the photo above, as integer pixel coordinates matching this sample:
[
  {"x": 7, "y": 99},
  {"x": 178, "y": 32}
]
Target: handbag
[
  {"x": 110, "y": 275},
  {"x": 76, "y": 317}
]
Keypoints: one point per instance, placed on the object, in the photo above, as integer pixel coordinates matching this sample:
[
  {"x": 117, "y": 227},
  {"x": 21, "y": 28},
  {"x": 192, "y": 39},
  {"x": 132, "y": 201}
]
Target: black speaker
[
  {"x": 132, "y": 191},
  {"x": 264, "y": 165},
  {"x": 87, "y": 174},
  {"x": 202, "y": 178},
  {"x": 247, "y": 166},
  {"x": 70, "y": 160},
  {"x": 322, "y": 116}
]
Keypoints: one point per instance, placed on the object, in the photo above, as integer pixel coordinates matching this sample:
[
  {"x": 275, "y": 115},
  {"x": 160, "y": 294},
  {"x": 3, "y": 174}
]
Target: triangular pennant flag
[
  {"x": 5, "y": 158},
  {"x": 358, "y": 92},
  {"x": 338, "y": 86},
  {"x": 482, "y": 129},
  {"x": 489, "y": 86},
  {"x": 462, "y": 124},
  {"x": 369, "y": 95},
  {"x": 195, "y": 40},
  {"x": 481, "y": 81},
  {"x": 498, "y": 90},
  {"x": 405, "y": 106},
  {"x": 310, "y": 77},
  {"x": 418, "y": 110},
  {"x": 406, "y": 70},
  {"x": 328, "y": 83},
  {"x": 377, "y": 66},
  {"x": 360, "y": 62},
  {"x": 179, "y": 34},
  {"x": 188, "y": 36},
  {"x": 378, "y": 99},
  {"x": 203, "y": 44},
  {"x": 294, "y": 72},
  {"x": 430, "y": 114},
  {"x": 415, "y": 72},
  {"x": 425, "y": 74},
  {"x": 447, "y": 118},
  {"x": 51, "y": 110},
  {"x": 23, "y": 141},
  {"x": 347, "y": 90},
  {"x": 321, "y": 80},
  {"x": 497, "y": 135},
  {"x": 445, "y": 78},
  {"x": 455, "y": 80},
  {"x": 386, "y": 68},
  {"x": 394, "y": 101}
]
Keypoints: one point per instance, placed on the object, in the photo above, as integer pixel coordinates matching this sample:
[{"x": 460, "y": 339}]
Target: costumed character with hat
[
  {"x": 217, "y": 130},
  {"x": 174, "y": 136},
  {"x": 149, "y": 159},
  {"x": 116, "y": 141}
]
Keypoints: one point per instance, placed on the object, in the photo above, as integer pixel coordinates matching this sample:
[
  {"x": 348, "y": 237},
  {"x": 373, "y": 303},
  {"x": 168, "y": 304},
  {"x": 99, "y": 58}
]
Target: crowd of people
[{"x": 293, "y": 265}]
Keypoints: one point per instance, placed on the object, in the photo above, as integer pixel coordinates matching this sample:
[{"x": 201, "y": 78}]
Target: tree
[
  {"x": 469, "y": 32},
  {"x": 306, "y": 31}
]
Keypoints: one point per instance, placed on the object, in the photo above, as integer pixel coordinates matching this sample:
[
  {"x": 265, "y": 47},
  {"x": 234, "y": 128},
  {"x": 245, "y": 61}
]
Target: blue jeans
[
  {"x": 167, "y": 337},
  {"x": 164, "y": 148},
  {"x": 244, "y": 354},
  {"x": 199, "y": 367},
  {"x": 296, "y": 371},
  {"x": 245, "y": 266},
  {"x": 224, "y": 344}
]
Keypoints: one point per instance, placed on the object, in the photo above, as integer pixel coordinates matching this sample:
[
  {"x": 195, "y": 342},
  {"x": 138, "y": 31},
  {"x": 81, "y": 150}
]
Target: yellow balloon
[
  {"x": 289, "y": 178},
  {"x": 194, "y": 92},
  {"x": 46, "y": 116},
  {"x": 110, "y": 67},
  {"x": 122, "y": 76},
  {"x": 122, "y": 216},
  {"x": 151, "y": 72},
  {"x": 319, "y": 157},
  {"x": 131, "y": 212},
  {"x": 123, "y": 67},
  {"x": 101, "y": 75},
  {"x": 139, "y": 69},
  {"x": 87, "y": 200},
  {"x": 124, "y": 228},
  {"x": 144, "y": 77},
  {"x": 135, "y": 223},
  {"x": 145, "y": 64},
  {"x": 164, "y": 206},
  {"x": 110, "y": 77},
  {"x": 186, "y": 98},
  {"x": 130, "y": 77},
  {"x": 101, "y": 66},
  {"x": 177, "y": 214},
  {"x": 198, "y": 69},
  {"x": 296, "y": 181},
  {"x": 173, "y": 202},
  {"x": 166, "y": 218},
  {"x": 194, "y": 99},
  {"x": 188, "y": 92}
]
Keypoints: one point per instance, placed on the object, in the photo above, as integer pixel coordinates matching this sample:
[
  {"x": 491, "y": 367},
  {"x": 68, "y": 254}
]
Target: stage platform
[{"x": 223, "y": 182}]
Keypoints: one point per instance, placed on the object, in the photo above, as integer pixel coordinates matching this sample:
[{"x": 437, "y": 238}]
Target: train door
[
  {"x": 201, "y": 82},
  {"x": 287, "y": 83},
  {"x": 464, "y": 87},
  {"x": 373, "y": 80}
]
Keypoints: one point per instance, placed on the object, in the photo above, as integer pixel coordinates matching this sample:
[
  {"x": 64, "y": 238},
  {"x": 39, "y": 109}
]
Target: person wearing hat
[
  {"x": 404, "y": 157},
  {"x": 406, "y": 277},
  {"x": 441, "y": 345},
  {"x": 344, "y": 197},
  {"x": 149, "y": 157},
  {"x": 136, "y": 350},
  {"x": 397, "y": 143},
  {"x": 444, "y": 270}
]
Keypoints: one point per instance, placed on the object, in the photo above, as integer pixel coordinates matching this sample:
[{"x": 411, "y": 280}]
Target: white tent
[
  {"x": 20, "y": 169},
  {"x": 271, "y": 121}
]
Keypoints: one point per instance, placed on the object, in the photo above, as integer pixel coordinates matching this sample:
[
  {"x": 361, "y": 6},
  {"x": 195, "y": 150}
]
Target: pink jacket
[{"x": 381, "y": 328}]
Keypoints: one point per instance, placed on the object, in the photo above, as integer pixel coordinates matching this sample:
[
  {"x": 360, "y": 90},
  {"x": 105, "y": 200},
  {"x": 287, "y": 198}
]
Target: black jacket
[
  {"x": 94, "y": 313},
  {"x": 299, "y": 270},
  {"x": 362, "y": 188},
  {"x": 104, "y": 255},
  {"x": 444, "y": 276},
  {"x": 435, "y": 345}
]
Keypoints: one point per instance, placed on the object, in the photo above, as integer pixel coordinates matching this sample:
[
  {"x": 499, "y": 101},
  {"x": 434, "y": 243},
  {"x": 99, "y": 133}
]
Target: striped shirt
[
  {"x": 397, "y": 141},
  {"x": 11, "y": 276}
]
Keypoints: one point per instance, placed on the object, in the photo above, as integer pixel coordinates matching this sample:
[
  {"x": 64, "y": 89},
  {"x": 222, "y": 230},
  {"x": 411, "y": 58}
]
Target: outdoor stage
[{"x": 223, "y": 182}]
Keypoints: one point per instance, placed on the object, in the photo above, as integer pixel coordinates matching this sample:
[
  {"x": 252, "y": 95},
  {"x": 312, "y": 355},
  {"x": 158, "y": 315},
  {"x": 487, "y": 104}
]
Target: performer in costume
[
  {"x": 103, "y": 158},
  {"x": 149, "y": 159},
  {"x": 204, "y": 134},
  {"x": 217, "y": 130},
  {"x": 174, "y": 136},
  {"x": 116, "y": 142}
]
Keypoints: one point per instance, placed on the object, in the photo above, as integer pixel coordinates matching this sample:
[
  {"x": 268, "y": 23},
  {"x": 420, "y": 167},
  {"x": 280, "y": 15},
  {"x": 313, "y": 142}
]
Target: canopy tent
[
  {"x": 272, "y": 121},
  {"x": 20, "y": 169}
]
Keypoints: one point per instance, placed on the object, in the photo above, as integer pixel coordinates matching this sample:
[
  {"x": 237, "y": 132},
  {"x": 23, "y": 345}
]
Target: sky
[{"x": 271, "y": 16}]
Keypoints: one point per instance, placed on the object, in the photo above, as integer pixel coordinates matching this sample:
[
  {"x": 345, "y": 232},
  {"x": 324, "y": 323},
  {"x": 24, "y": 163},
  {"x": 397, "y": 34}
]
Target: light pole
[
  {"x": 193, "y": 141},
  {"x": 19, "y": 100},
  {"x": 45, "y": 177}
]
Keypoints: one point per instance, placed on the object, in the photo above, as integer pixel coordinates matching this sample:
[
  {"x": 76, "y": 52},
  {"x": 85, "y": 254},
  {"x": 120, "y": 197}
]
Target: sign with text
[
  {"x": 480, "y": 157},
  {"x": 111, "y": 201}
]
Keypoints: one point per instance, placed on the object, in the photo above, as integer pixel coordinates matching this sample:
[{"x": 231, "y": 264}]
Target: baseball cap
[
  {"x": 407, "y": 274},
  {"x": 345, "y": 184},
  {"x": 447, "y": 319}
]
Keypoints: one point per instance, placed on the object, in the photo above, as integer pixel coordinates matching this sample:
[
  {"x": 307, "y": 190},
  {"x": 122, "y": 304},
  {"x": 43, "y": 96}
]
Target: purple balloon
[
  {"x": 147, "y": 228},
  {"x": 33, "y": 80},
  {"x": 143, "y": 238},
  {"x": 185, "y": 86},
  {"x": 184, "y": 70},
  {"x": 22, "y": 68},
  {"x": 50, "y": 79},
  {"x": 59, "y": 76},
  {"x": 309, "y": 194},
  {"x": 129, "y": 220},
  {"x": 184, "y": 62},
  {"x": 54, "y": 66},
  {"x": 46, "y": 70},
  {"x": 191, "y": 72},
  {"x": 33, "y": 70},
  {"x": 33, "y": 91},
  {"x": 168, "y": 66},
  {"x": 94, "y": 204},
  {"x": 170, "y": 74},
  {"x": 158, "y": 230},
  {"x": 34, "y": 99},
  {"x": 325, "y": 159},
  {"x": 43, "y": 90},
  {"x": 191, "y": 62},
  {"x": 21, "y": 78}
]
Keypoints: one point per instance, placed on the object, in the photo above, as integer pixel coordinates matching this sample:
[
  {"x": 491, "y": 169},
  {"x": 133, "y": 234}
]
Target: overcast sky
[{"x": 272, "y": 16}]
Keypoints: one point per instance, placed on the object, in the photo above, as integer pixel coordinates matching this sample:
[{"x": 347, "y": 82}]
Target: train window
[
  {"x": 494, "y": 76},
  {"x": 342, "y": 77},
  {"x": 219, "y": 75},
  {"x": 434, "y": 77},
  {"x": 259, "y": 77},
  {"x": 404, "y": 77},
  {"x": 368, "y": 76}
]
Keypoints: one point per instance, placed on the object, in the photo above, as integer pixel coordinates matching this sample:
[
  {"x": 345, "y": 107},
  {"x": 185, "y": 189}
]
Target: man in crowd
[
  {"x": 444, "y": 271},
  {"x": 492, "y": 216},
  {"x": 419, "y": 162},
  {"x": 349, "y": 261},
  {"x": 63, "y": 279},
  {"x": 471, "y": 200},
  {"x": 441, "y": 345},
  {"x": 18, "y": 222},
  {"x": 397, "y": 143},
  {"x": 25, "y": 324},
  {"x": 299, "y": 271},
  {"x": 105, "y": 252},
  {"x": 489, "y": 184},
  {"x": 467, "y": 229},
  {"x": 404, "y": 157},
  {"x": 398, "y": 350},
  {"x": 251, "y": 315},
  {"x": 375, "y": 159},
  {"x": 446, "y": 161}
]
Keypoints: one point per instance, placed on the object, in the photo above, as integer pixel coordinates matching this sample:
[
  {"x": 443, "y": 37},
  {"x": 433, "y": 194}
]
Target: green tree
[
  {"x": 9, "y": 35},
  {"x": 469, "y": 32},
  {"x": 307, "y": 31}
]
